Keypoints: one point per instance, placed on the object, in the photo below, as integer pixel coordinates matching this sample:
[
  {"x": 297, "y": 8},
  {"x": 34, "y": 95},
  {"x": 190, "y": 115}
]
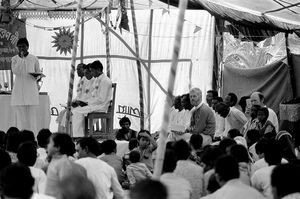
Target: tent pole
[
  {"x": 82, "y": 39},
  {"x": 290, "y": 64},
  {"x": 136, "y": 41},
  {"x": 107, "y": 41},
  {"x": 149, "y": 67},
  {"x": 163, "y": 133},
  {"x": 73, "y": 61}
]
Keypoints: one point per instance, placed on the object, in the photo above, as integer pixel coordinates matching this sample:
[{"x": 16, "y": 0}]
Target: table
[{"x": 7, "y": 117}]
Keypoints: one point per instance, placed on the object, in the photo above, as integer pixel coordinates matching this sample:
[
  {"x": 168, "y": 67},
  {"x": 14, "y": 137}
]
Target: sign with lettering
[{"x": 9, "y": 35}]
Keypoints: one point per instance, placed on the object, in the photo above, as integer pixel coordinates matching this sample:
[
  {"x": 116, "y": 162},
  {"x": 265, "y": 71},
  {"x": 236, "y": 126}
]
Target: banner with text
[{"x": 9, "y": 35}]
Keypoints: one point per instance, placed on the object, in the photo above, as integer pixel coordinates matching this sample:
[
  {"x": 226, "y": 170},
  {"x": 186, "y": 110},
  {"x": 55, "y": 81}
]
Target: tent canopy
[
  {"x": 266, "y": 14},
  {"x": 70, "y": 5}
]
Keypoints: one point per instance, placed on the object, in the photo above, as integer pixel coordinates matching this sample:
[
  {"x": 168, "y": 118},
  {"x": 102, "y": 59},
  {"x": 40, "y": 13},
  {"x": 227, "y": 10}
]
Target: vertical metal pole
[
  {"x": 290, "y": 63},
  {"x": 149, "y": 66}
]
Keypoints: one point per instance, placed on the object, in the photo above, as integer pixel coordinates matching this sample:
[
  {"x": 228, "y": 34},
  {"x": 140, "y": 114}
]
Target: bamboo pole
[
  {"x": 163, "y": 133},
  {"x": 107, "y": 41},
  {"x": 82, "y": 39},
  {"x": 73, "y": 61},
  {"x": 149, "y": 67},
  {"x": 140, "y": 78}
]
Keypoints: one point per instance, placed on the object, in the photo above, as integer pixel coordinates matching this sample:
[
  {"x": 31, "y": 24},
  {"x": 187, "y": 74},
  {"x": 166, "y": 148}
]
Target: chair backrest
[{"x": 111, "y": 107}]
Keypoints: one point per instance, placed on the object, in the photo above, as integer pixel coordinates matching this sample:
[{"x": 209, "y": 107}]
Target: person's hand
[{"x": 21, "y": 54}]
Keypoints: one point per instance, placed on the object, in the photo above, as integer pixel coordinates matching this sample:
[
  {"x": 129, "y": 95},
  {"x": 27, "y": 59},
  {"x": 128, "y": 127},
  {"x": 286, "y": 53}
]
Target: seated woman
[{"x": 125, "y": 133}]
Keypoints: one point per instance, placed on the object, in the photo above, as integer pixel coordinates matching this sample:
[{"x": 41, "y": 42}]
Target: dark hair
[
  {"x": 76, "y": 187},
  {"x": 43, "y": 137},
  {"x": 149, "y": 189},
  {"x": 177, "y": 103},
  {"x": 108, "y": 146},
  {"x": 213, "y": 92},
  {"x": 13, "y": 139},
  {"x": 170, "y": 161},
  {"x": 232, "y": 133},
  {"x": 252, "y": 136},
  {"x": 182, "y": 150},
  {"x": 91, "y": 144},
  {"x": 124, "y": 120},
  {"x": 273, "y": 154},
  {"x": 227, "y": 168},
  {"x": 134, "y": 156},
  {"x": 233, "y": 98},
  {"x": 27, "y": 153},
  {"x": 27, "y": 136},
  {"x": 17, "y": 181},
  {"x": 142, "y": 131},
  {"x": 196, "y": 141},
  {"x": 64, "y": 142},
  {"x": 187, "y": 102},
  {"x": 133, "y": 143},
  {"x": 243, "y": 103},
  {"x": 240, "y": 153},
  {"x": 284, "y": 178},
  {"x": 2, "y": 139},
  {"x": 264, "y": 110},
  {"x": 5, "y": 159},
  {"x": 213, "y": 184},
  {"x": 97, "y": 65},
  {"x": 225, "y": 143},
  {"x": 260, "y": 146},
  {"x": 219, "y": 99},
  {"x": 23, "y": 41},
  {"x": 210, "y": 154},
  {"x": 285, "y": 140}
]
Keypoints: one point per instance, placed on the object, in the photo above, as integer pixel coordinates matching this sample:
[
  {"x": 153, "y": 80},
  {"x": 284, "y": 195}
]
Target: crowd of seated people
[{"x": 213, "y": 151}]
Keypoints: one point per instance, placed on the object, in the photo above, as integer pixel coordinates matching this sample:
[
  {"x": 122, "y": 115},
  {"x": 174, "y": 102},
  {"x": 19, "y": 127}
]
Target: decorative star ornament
[{"x": 63, "y": 40}]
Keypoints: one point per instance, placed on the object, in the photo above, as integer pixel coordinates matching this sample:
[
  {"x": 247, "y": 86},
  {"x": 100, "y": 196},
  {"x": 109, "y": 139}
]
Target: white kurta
[
  {"x": 99, "y": 101},
  {"x": 25, "y": 90}
]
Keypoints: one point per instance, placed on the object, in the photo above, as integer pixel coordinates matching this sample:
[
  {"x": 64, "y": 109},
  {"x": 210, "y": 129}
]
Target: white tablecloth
[{"x": 7, "y": 118}]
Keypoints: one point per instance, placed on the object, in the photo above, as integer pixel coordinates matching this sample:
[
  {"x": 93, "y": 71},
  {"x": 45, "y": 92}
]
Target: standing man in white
[{"x": 25, "y": 94}]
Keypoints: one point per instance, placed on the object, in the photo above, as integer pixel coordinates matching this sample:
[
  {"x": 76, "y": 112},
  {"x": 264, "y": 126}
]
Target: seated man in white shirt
[
  {"x": 99, "y": 101},
  {"x": 284, "y": 180},
  {"x": 99, "y": 172},
  {"x": 234, "y": 118},
  {"x": 261, "y": 179},
  {"x": 257, "y": 98},
  {"x": 227, "y": 175}
]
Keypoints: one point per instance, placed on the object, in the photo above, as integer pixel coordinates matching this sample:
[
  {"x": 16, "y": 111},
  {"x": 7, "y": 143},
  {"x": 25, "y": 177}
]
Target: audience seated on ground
[
  {"x": 27, "y": 155},
  {"x": 178, "y": 187},
  {"x": 188, "y": 169},
  {"x": 136, "y": 171},
  {"x": 196, "y": 147},
  {"x": 227, "y": 175},
  {"x": 284, "y": 180},
  {"x": 13, "y": 141},
  {"x": 5, "y": 159},
  {"x": 42, "y": 141},
  {"x": 261, "y": 179},
  {"x": 240, "y": 153},
  {"x": 286, "y": 144},
  {"x": 252, "y": 137},
  {"x": 146, "y": 147},
  {"x": 125, "y": 133},
  {"x": 133, "y": 143},
  {"x": 59, "y": 148},
  {"x": 109, "y": 148},
  {"x": 99, "y": 172}
]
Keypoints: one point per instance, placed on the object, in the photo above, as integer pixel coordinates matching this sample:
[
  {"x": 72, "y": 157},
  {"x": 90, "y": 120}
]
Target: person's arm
[
  {"x": 148, "y": 172},
  {"x": 116, "y": 187}
]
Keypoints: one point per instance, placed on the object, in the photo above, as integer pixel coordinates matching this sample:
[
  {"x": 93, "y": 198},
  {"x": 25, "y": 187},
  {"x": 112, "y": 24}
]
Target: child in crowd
[
  {"x": 109, "y": 148},
  {"x": 137, "y": 170},
  {"x": 146, "y": 147},
  {"x": 125, "y": 133},
  {"x": 133, "y": 143}
]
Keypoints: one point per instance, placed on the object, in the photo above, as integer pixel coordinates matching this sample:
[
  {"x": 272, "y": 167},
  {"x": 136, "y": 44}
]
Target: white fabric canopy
[{"x": 194, "y": 68}]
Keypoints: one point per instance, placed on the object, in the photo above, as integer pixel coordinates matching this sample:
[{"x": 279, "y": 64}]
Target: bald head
[
  {"x": 257, "y": 98},
  {"x": 195, "y": 96}
]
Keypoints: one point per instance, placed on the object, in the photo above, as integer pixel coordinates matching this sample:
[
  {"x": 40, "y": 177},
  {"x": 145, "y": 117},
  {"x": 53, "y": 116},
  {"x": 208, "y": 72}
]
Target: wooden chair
[{"x": 108, "y": 116}]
